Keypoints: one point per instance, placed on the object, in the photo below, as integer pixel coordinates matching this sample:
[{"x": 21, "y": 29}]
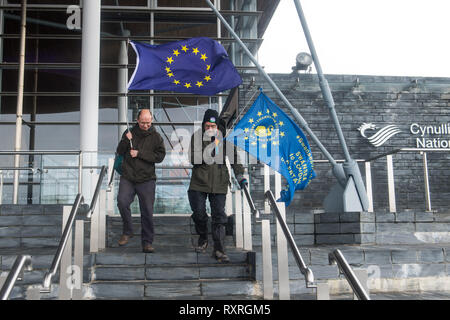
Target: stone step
[
  {"x": 163, "y": 240},
  {"x": 121, "y": 257},
  {"x": 195, "y": 289},
  {"x": 193, "y": 272},
  {"x": 30, "y": 210}
]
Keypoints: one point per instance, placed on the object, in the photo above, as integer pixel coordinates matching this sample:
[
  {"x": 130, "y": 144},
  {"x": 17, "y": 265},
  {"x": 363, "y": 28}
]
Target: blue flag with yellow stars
[
  {"x": 196, "y": 65},
  {"x": 268, "y": 134}
]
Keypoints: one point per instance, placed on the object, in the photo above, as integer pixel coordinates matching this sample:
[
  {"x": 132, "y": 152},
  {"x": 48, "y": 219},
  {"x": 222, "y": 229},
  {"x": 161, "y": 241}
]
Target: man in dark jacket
[
  {"x": 211, "y": 179},
  {"x": 141, "y": 147}
]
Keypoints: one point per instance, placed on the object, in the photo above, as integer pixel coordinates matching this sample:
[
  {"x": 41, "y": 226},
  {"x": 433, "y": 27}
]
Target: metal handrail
[
  {"x": 307, "y": 272},
  {"x": 21, "y": 262},
  {"x": 96, "y": 192},
  {"x": 250, "y": 201},
  {"x": 337, "y": 257},
  {"x": 46, "y": 284}
]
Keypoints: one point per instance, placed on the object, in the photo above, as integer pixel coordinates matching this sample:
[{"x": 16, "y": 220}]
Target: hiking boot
[
  {"x": 202, "y": 245},
  {"x": 147, "y": 248},
  {"x": 220, "y": 256},
  {"x": 124, "y": 239}
]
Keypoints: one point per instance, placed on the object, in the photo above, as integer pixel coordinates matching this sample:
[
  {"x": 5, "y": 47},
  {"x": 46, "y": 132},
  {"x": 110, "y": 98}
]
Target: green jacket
[
  {"x": 151, "y": 150},
  {"x": 212, "y": 178}
]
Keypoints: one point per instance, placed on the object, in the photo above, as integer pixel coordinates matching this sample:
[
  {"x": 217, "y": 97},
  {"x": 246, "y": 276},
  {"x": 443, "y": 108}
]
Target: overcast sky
[{"x": 363, "y": 37}]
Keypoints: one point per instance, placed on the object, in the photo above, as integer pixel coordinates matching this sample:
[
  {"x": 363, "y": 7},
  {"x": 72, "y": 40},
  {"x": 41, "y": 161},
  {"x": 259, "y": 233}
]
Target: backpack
[{"x": 118, "y": 163}]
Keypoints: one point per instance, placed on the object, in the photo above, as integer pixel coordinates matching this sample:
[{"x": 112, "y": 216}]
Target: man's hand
[
  {"x": 129, "y": 135},
  {"x": 243, "y": 183},
  {"x": 134, "y": 153}
]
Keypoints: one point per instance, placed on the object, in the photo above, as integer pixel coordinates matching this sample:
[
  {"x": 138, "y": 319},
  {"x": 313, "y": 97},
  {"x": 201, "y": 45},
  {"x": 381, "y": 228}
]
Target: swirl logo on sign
[{"x": 380, "y": 137}]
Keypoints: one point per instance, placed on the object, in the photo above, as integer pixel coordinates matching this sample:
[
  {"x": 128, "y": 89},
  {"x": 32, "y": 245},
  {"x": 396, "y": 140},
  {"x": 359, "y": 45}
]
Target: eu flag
[
  {"x": 196, "y": 65},
  {"x": 268, "y": 134}
]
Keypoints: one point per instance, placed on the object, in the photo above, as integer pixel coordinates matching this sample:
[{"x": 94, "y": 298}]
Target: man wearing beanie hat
[{"x": 211, "y": 179}]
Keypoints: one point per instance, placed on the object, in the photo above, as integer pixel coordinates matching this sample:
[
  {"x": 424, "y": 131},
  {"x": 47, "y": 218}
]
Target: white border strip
[{"x": 137, "y": 66}]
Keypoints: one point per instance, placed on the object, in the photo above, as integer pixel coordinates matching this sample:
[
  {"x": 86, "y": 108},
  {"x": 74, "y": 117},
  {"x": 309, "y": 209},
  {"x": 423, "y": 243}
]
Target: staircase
[{"x": 174, "y": 271}]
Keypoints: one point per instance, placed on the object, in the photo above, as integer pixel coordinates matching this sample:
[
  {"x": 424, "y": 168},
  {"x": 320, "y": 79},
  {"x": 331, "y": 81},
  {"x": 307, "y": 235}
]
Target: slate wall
[{"x": 379, "y": 100}]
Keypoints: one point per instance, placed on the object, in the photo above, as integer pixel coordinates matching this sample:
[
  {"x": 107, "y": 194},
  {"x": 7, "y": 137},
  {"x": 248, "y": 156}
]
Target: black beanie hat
[{"x": 210, "y": 116}]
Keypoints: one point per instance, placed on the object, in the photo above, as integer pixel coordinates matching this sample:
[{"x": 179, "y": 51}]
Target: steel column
[
  {"x": 19, "y": 109},
  {"x": 89, "y": 95}
]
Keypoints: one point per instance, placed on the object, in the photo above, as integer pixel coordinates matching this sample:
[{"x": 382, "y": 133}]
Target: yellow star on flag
[
  {"x": 195, "y": 51},
  {"x": 281, "y": 123},
  {"x": 176, "y": 52},
  {"x": 251, "y": 120},
  {"x": 246, "y": 130},
  {"x": 208, "y": 66},
  {"x": 275, "y": 114},
  {"x": 169, "y": 60},
  {"x": 268, "y": 111},
  {"x": 282, "y": 134},
  {"x": 207, "y": 78},
  {"x": 176, "y": 81},
  {"x": 168, "y": 69},
  {"x": 199, "y": 84},
  {"x": 170, "y": 75},
  {"x": 204, "y": 57},
  {"x": 184, "y": 48},
  {"x": 259, "y": 114},
  {"x": 187, "y": 85}
]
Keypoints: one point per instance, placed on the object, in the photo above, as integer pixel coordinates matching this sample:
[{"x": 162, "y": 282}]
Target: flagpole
[
  {"x": 328, "y": 97},
  {"x": 345, "y": 174},
  {"x": 294, "y": 111},
  {"x": 350, "y": 167}
]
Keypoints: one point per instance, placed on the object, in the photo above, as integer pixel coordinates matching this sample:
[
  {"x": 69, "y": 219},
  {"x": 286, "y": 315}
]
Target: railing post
[
  {"x": 323, "y": 291},
  {"x": 283, "y": 262},
  {"x": 362, "y": 276},
  {"x": 391, "y": 184},
  {"x": 3, "y": 276},
  {"x": 266, "y": 242},
  {"x": 1, "y": 186},
  {"x": 102, "y": 221},
  {"x": 77, "y": 293},
  {"x": 426, "y": 179},
  {"x": 33, "y": 293},
  {"x": 94, "y": 237},
  {"x": 111, "y": 190},
  {"x": 247, "y": 222},
  {"x": 66, "y": 261},
  {"x": 369, "y": 186},
  {"x": 238, "y": 215}
]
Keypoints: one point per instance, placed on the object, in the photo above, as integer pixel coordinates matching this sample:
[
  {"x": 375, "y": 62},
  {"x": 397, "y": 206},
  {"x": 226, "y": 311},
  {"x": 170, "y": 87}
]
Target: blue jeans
[{"x": 146, "y": 195}]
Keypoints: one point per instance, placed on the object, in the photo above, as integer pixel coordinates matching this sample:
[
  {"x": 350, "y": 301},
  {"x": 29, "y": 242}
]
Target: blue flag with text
[
  {"x": 196, "y": 65},
  {"x": 268, "y": 134}
]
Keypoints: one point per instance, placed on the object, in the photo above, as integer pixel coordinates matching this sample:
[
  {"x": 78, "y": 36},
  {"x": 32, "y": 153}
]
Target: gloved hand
[{"x": 242, "y": 183}]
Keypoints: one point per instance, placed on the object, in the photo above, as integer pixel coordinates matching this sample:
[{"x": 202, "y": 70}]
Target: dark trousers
[
  {"x": 146, "y": 195},
  {"x": 219, "y": 219}
]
